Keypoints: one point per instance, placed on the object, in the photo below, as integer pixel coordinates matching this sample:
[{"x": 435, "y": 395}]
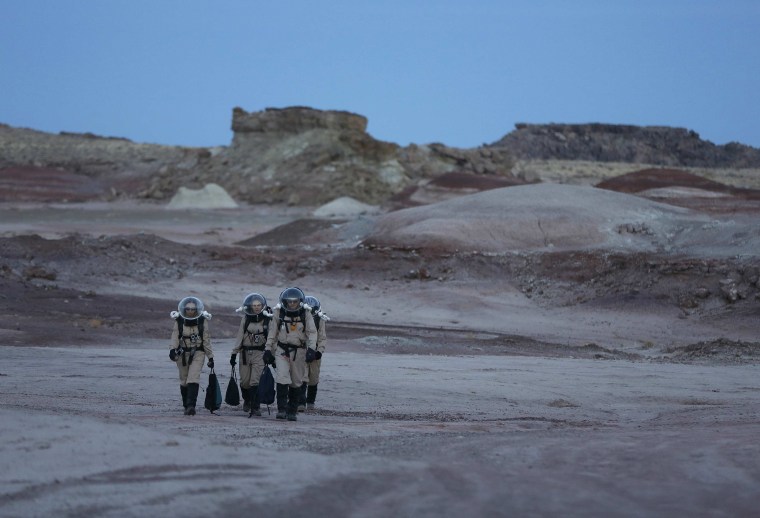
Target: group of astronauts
[{"x": 291, "y": 338}]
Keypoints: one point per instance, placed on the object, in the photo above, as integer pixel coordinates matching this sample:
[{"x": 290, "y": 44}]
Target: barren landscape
[{"x": 499, "y": 346}]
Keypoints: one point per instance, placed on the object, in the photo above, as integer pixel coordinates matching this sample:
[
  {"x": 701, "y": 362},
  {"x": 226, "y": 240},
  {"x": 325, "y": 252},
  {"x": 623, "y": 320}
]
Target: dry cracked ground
[{"x": 535, "y": 350}]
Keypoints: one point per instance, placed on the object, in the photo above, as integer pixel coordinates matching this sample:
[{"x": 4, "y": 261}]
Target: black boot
[
  {"x": 255, "y": 405},
  {"x": 192, "y": 397},
  {"x": 282, "y": 400},
  {"x": 293, "y": 394},
  {"x": 183, "y": 389},
  {"x": 246, "y": 398},
  {"x": 302, "y": 397},
  {"x": 311, "y": 395}
]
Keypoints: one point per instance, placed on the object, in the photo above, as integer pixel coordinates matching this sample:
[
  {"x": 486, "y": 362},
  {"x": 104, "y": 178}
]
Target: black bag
[
  {"x": 213, "y": 399},
  {"x": 232, "y": 396},
  {"x": 266, "y": 386}
]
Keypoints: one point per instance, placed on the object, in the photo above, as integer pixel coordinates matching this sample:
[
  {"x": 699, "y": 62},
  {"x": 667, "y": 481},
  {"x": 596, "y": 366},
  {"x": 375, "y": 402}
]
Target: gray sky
[{"x": 457, "y": 72}]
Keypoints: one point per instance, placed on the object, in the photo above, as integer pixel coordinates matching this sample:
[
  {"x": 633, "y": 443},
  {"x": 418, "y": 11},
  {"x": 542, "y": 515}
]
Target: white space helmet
[
  {"x": 291, "y": 295},
  {"x": 314, "y": 303},
  {"x": 190, "y": 308},
  {"x": 254, "y": 304}
]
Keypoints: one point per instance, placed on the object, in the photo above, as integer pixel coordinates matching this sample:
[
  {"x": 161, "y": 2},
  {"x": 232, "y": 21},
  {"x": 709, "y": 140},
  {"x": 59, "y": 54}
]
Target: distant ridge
[
  {"x": 658, "y": 145},
  {"x": 303, "y": 156}
]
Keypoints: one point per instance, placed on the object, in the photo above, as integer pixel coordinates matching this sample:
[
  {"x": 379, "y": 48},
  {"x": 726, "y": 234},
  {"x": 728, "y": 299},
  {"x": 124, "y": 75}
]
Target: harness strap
[
  {"x": 190, "y": 348},
  {"x": 290, "y": 347},
  {"x": 292, "y": 322},
  {"x": 191, "y": 351},
  {"x": 181, "y": 326}
]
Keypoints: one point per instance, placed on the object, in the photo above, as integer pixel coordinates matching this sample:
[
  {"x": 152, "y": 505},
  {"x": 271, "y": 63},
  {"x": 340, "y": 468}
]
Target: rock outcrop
[
  {"x": 296, "y": 119},
  {"x": 658, "y": 145},
  {"x": 303, "y": 156}
]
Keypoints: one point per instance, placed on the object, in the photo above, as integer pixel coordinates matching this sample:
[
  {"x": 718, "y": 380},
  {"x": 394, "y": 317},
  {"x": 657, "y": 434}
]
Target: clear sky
[{"x": 460, "y": 72}]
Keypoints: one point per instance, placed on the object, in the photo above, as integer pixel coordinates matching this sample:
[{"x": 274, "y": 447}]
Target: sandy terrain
[{"x": 606, "y": 373}]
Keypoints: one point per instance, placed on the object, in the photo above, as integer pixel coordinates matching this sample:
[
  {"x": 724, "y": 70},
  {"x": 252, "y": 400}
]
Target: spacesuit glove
[
  {"x": 233, "y": 359},
  {"x": 268, "y": 357},
  {"x": 210, "y": 363},
  {"x": 173, "y": 355},
  {"x": 311, "y": 355},
  {"x": 319, "y": 355}
]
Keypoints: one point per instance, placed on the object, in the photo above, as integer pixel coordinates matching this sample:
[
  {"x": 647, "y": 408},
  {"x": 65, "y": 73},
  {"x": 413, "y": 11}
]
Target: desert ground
[{"x": 539, "y": 350}]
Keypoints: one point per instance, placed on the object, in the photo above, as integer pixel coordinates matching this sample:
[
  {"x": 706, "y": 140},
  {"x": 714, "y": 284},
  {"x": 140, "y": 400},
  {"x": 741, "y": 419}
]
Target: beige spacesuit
[
  {"x": 190, "y": 345},
  {"x": 292, "y": 337}
]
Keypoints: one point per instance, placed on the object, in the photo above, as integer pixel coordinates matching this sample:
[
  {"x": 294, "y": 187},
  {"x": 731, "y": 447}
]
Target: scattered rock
[
  {"x": 729, "y": 290},
  {"x": 721, "y": 350},
  {"x": 39, "y": 272}
]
